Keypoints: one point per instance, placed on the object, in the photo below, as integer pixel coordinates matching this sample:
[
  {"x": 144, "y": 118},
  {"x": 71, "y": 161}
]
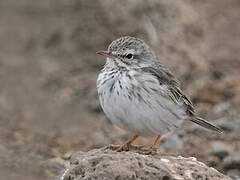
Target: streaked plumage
[{"x": 139, "y": 94}]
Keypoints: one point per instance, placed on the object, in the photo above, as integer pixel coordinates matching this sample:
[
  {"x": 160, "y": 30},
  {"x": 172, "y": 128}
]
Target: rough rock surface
[{"x": 107, "y": 164}]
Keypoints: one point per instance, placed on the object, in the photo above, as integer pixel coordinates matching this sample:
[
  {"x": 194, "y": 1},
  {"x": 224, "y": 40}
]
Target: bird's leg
[
  {"x": 126, "y": 144},
  {"x": 149, "y": 150}
]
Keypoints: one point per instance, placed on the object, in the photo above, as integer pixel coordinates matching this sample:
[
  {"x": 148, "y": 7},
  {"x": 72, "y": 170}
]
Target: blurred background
[{"x": 48, "y": 69}]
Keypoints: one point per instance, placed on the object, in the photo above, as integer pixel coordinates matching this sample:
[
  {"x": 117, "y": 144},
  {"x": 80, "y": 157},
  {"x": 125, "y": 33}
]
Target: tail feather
[{"x": 204, "y": 123}]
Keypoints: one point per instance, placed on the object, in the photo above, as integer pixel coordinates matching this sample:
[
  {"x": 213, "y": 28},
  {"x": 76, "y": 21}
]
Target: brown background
[{"x": 48, "y": 71}]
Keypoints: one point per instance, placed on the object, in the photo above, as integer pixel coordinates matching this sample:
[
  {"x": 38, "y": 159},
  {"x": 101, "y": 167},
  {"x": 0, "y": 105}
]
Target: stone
[
  {"x": 221, "y": 149},
  {"x": 231, "y": 165},
  {"x": 106, "y": 164}
]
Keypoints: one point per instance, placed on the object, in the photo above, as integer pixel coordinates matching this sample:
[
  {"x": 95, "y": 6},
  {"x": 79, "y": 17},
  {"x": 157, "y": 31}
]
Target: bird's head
[{"x": 129, "y": 51}]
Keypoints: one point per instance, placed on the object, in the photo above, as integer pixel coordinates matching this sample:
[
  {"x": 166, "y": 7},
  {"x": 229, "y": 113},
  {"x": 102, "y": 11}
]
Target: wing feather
[{"x": 165, "y": 77}]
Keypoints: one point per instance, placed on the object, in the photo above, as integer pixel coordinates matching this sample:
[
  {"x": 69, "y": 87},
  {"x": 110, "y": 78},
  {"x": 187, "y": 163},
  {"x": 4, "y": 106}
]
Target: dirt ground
[{"x": 48, "y": 69}]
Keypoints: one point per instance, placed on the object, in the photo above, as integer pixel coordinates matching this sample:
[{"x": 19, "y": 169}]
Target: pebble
[{"x": 221, "y": 149}]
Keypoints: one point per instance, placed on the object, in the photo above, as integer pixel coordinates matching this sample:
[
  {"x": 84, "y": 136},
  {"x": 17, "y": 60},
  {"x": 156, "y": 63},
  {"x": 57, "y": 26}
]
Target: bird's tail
[{"x": 204, "y": 123}]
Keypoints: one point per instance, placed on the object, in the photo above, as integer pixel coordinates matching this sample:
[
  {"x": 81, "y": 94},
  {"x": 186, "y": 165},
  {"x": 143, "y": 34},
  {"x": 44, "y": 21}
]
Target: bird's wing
[{"x": 165, "y": 77}]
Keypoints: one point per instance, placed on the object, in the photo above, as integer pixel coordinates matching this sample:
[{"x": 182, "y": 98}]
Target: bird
[{"x": 139, "y": 94}]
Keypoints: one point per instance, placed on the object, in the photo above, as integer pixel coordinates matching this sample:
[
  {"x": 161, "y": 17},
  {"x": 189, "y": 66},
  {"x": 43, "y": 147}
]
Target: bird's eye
[{"x": 129, "y": 56}]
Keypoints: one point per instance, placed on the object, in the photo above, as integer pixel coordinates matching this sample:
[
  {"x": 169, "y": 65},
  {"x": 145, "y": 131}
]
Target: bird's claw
[
  {"x": 148, "y": 151},
  {"x": 124, "y": 147}
]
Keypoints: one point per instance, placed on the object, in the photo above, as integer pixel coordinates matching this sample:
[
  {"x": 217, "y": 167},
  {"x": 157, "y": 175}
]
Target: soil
[{"x": 48, "y": 69}]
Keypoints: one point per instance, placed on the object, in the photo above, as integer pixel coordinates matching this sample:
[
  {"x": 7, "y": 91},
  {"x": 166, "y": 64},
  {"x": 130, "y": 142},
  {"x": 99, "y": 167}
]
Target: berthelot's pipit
[{"x": 139, "y": 94}]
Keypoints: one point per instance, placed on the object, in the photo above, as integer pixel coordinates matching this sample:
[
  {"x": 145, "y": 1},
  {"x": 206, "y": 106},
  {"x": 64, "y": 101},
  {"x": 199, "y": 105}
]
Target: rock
[
  {"x": 232, "y": 162},
  {"x": 221, "y": 149},
  {"x": 234, "y": 174},
  {"x": 106, "y": 164},
  {"x": 231, "y": 165}
]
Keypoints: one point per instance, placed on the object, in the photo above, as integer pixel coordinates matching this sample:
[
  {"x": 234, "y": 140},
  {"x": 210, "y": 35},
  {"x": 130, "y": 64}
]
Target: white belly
[{"x": 142, "y": 111}]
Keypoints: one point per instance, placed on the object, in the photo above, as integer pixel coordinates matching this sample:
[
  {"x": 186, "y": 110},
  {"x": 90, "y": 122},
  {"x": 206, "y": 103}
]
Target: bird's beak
[{"x": 106, "y": 53}]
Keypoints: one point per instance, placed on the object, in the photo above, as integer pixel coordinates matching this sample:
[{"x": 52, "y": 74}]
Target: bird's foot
[
  {"x": 127, "y": 145},
  {"x": 148, "y": 151},
  {"x": 124, "y": 147}
]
